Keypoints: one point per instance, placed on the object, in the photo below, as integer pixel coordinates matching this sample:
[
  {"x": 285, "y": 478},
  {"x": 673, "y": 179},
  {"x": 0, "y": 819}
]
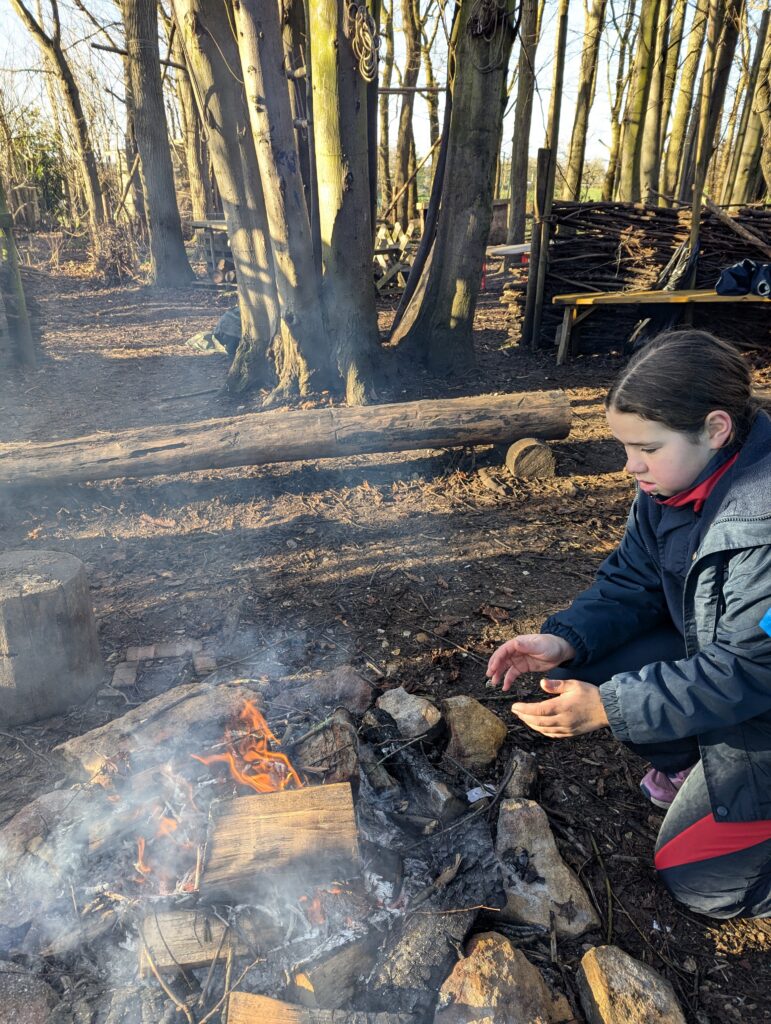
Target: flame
[
  {"x": 141, "y": 866},
  {"x": 166, "y": 826},
  {"x": 250, "y": 759},
  {"x": 313, "y": 910}
]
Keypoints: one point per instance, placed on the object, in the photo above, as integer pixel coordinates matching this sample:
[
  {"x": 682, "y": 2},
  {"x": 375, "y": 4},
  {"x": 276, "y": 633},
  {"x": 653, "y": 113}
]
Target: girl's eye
[{"x": 648, "y": 451}]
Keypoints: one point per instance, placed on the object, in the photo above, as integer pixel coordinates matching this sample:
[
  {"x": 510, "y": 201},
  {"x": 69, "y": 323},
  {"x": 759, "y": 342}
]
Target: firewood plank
[
  {"x": 244, "y": 1008},
  {"x": 186, "y": 938},
  {"x": 308, "y": 833}
]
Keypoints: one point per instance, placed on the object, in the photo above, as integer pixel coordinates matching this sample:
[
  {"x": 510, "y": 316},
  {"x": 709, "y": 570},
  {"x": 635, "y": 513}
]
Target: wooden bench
[{"x": 579, "y": 305}]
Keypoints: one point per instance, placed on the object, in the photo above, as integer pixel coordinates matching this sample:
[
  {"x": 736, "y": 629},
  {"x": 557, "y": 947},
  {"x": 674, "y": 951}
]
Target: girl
[{"x": 671, "y": 645}]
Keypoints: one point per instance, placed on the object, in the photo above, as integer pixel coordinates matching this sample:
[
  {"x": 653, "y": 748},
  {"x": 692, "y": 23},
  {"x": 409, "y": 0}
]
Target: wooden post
[{"x": 542, "y": 217}]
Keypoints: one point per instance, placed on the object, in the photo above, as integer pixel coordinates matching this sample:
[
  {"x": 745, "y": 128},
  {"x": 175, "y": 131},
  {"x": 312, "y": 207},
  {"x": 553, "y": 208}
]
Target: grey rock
[{"x": 538, "y": 882}]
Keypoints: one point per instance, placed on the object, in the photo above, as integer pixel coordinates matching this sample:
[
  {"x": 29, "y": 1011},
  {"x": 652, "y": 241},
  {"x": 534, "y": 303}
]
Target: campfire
[{"x": 325, "y": 864}]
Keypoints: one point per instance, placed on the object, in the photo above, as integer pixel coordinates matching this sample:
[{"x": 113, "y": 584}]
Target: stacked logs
[
  {"x": 609, "y": 246},
  {"x": 224, "y": 272}
]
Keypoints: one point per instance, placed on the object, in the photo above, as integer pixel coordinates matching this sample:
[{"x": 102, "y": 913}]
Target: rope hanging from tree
[
  {"x": 488, "y": 20},
  {"x": 359, "y": 26}
]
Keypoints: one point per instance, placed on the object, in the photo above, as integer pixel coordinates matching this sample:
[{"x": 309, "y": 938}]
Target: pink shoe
[{"x": 661, "y": 788}]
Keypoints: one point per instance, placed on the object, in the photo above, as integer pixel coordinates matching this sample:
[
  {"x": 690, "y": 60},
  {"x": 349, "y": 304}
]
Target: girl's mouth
[{"x": 646, "y": 486}]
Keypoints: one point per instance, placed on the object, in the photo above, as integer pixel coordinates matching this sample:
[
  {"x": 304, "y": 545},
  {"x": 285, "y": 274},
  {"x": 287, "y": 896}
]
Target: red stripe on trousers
[{"x": 708, "y": 838}]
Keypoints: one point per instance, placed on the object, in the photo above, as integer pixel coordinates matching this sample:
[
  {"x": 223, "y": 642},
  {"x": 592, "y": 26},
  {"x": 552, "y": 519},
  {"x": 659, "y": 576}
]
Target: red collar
[{"x": 699, "y": 494}]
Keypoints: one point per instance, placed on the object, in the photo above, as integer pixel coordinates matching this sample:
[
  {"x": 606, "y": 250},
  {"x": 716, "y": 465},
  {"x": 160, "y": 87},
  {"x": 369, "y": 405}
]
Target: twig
[
  {"x": 409, "y": 743},
  {"x": 465, "y": 650},
  {"x": 608, "y": 889},
  {"x": 182, "y": 1007},
  {"x": 226, "y": 994},
  {"x": 23, "y": 743}
]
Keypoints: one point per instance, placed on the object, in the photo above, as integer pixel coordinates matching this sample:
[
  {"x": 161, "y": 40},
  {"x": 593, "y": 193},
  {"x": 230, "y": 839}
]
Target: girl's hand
[
  {"x": 577, "y": 709},
  {"x": 531, "y": 652}
]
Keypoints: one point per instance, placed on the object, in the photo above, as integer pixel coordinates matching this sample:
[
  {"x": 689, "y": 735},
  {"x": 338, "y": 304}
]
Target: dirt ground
[{"x": 413, "y": 567}]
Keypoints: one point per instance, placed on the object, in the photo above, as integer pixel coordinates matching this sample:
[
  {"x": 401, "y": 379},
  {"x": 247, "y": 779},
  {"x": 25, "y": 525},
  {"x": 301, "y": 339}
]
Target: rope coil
[{"x": 359, "y": 26}]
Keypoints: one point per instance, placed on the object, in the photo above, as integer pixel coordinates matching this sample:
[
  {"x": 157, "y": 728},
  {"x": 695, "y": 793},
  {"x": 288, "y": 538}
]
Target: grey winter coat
[{"x": 721, "y": 691}]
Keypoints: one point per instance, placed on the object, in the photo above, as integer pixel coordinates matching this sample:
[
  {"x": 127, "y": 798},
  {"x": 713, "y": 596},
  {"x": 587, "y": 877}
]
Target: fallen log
[
  {"x": 150, "y": 734},
  {"x": 288, "y": 435}
]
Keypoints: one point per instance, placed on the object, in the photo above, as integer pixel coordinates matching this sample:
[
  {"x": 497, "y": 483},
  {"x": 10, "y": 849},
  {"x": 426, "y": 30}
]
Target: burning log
[
  {"x": 295, "y": 837},
  {"x": 146, "y": 735},
  {"x": 248, "y": 1009},
  {"x": 417, "y": 958},
  {"x": 287, "y": 436},
  {"x": 50, "y": 652},
  {"x": 329, "y": 981},
  {"x": 330, "y": 749},
  {"x": 194, "y": 938},
  {"x": 427, "y": 789}
]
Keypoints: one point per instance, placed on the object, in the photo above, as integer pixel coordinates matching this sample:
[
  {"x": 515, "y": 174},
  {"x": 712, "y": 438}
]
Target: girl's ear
[{"x": 720, "y": 428}]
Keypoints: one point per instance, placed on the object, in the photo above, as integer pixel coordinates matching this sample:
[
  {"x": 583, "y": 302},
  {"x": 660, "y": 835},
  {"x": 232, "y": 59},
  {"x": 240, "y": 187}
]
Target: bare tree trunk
[
  {"x": 432, "y": 97},
  {"x": 384, "y": 149},
  {"x": 676, "y": 25},
  {"x": 53, "y": 49},
  {"x": 412, "y": 188},
  {"x": 523, "y": 113},
  {"x": 762, "y": 107},
  {"x": 405, "y": 137},
  {"x": 19, "y": 326},
  {"x": 132, "y": 154},
  {"x": 732, "y": 169},
  {"x": 737, "y": 188},
  {"x": 622, "y": 81},
  {"x": 650, "y": 153},
  {"x": 637, "y": 104},
  {"x": 169, "y": 266},
  {"x": 703, "y": 144},
  {"x": 438, "y": 324},
  {"x": 727, "y": 146},
  {"x": 297, "y": 52},
  {"x": 594, "y": 20},
  {"x": 342, "y": 168},
  {"x": 677, "y": 136},
  {"x": 195, "y": 147},
  {"x": 211, "y": 55},
  {"x": 723, "y": 32},
  {"x": 304, "y": 349}
]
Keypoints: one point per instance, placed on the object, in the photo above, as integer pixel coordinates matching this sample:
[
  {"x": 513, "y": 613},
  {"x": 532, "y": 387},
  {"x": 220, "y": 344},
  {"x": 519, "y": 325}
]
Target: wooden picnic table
[{"x": 589, "y": 301}]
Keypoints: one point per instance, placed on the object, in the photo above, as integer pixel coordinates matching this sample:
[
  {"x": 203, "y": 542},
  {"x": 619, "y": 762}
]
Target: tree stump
[
  {"x": 530, "y": 460},
  {"x": 49, "y": 653}
]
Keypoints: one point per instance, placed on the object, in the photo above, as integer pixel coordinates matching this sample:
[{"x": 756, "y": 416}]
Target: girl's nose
[{"x": 634, "y": 465}]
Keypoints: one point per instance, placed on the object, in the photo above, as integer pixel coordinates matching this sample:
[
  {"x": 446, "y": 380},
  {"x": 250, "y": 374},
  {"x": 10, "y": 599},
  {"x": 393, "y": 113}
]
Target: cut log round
[
  {"x": 49, "y": 652},
  {"x": 288, "y": 435},
  {"x": 530, "y": 460}
]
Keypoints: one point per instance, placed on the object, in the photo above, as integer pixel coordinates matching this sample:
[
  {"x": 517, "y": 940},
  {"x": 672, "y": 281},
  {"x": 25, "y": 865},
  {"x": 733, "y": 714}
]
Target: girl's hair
[{"x": 680, "y": 377}]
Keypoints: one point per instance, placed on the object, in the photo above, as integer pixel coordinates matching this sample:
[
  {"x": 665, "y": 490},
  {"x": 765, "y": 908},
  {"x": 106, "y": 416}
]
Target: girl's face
[{"x": 665, "y": 461}]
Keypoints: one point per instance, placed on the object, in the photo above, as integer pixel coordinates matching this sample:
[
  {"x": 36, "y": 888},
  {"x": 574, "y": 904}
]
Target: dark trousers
[{"x": 715, "y": 868}]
